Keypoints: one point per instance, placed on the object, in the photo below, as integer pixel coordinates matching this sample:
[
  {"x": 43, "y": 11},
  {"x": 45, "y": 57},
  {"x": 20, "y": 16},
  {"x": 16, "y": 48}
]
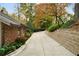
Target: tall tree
[
  {"x": 27, "y": 10},
  {"x": 55, "y": 10}
]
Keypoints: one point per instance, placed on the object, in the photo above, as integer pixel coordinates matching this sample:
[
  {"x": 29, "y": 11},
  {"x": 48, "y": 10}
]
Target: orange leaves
[{"x": 45, "y": 9}]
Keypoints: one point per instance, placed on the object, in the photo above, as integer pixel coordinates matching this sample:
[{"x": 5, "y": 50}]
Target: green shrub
[
  {"x": 67, "y": 24},
  {"x": 18, "y": 45},
  {"x": 29, "y": 32},
  {"x": 20, "y": 41},
  {"x": 6, "y": 49},
  {"x": 2, "y": 51},
  {"x": 45, "y": 24},
  {"x": 9, "y": 48},
  {"x": 53, "y": 27}
]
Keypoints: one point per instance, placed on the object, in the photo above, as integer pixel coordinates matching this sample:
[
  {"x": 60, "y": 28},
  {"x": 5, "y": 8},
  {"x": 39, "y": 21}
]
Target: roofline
[{"x": 7, "y": 19}]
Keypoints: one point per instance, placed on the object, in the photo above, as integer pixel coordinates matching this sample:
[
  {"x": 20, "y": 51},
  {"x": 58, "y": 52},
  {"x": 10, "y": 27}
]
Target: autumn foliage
[{"x": 48, "y": 10}]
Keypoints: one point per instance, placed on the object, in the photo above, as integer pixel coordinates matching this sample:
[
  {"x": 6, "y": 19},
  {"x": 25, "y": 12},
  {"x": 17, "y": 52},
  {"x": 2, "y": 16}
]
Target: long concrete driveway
[{"x": 41, "y": 44}]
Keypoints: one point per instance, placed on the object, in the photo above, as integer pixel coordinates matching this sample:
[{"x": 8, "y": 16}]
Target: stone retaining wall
[{"x": 69, "y": 40}]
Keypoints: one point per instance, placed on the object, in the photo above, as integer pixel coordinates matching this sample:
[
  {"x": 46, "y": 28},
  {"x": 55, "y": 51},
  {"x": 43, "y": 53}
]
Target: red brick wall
[{"x": 10, "y": 33}]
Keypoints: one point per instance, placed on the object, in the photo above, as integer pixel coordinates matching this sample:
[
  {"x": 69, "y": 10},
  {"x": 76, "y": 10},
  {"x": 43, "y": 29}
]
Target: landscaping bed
[{"x": 6, "y": 49}]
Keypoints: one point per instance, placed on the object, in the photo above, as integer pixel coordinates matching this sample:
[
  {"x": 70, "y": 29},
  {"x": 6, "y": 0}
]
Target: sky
[
  {"x": 70, "y": 8},
  {"x": 10, "y": 7}
]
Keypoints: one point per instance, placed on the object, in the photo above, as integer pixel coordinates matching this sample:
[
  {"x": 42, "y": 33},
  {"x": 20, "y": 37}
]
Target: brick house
[{"x": 10, "y": 29}]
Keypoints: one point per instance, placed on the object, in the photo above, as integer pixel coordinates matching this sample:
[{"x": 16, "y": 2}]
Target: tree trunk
[
  {"x": 77, "y": 11},
  {"x": 75, "y": 26}
]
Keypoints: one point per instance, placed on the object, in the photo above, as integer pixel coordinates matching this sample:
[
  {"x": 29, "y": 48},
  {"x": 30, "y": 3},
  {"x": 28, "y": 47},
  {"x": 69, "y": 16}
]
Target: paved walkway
[{"x": 41, "y": 44}]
